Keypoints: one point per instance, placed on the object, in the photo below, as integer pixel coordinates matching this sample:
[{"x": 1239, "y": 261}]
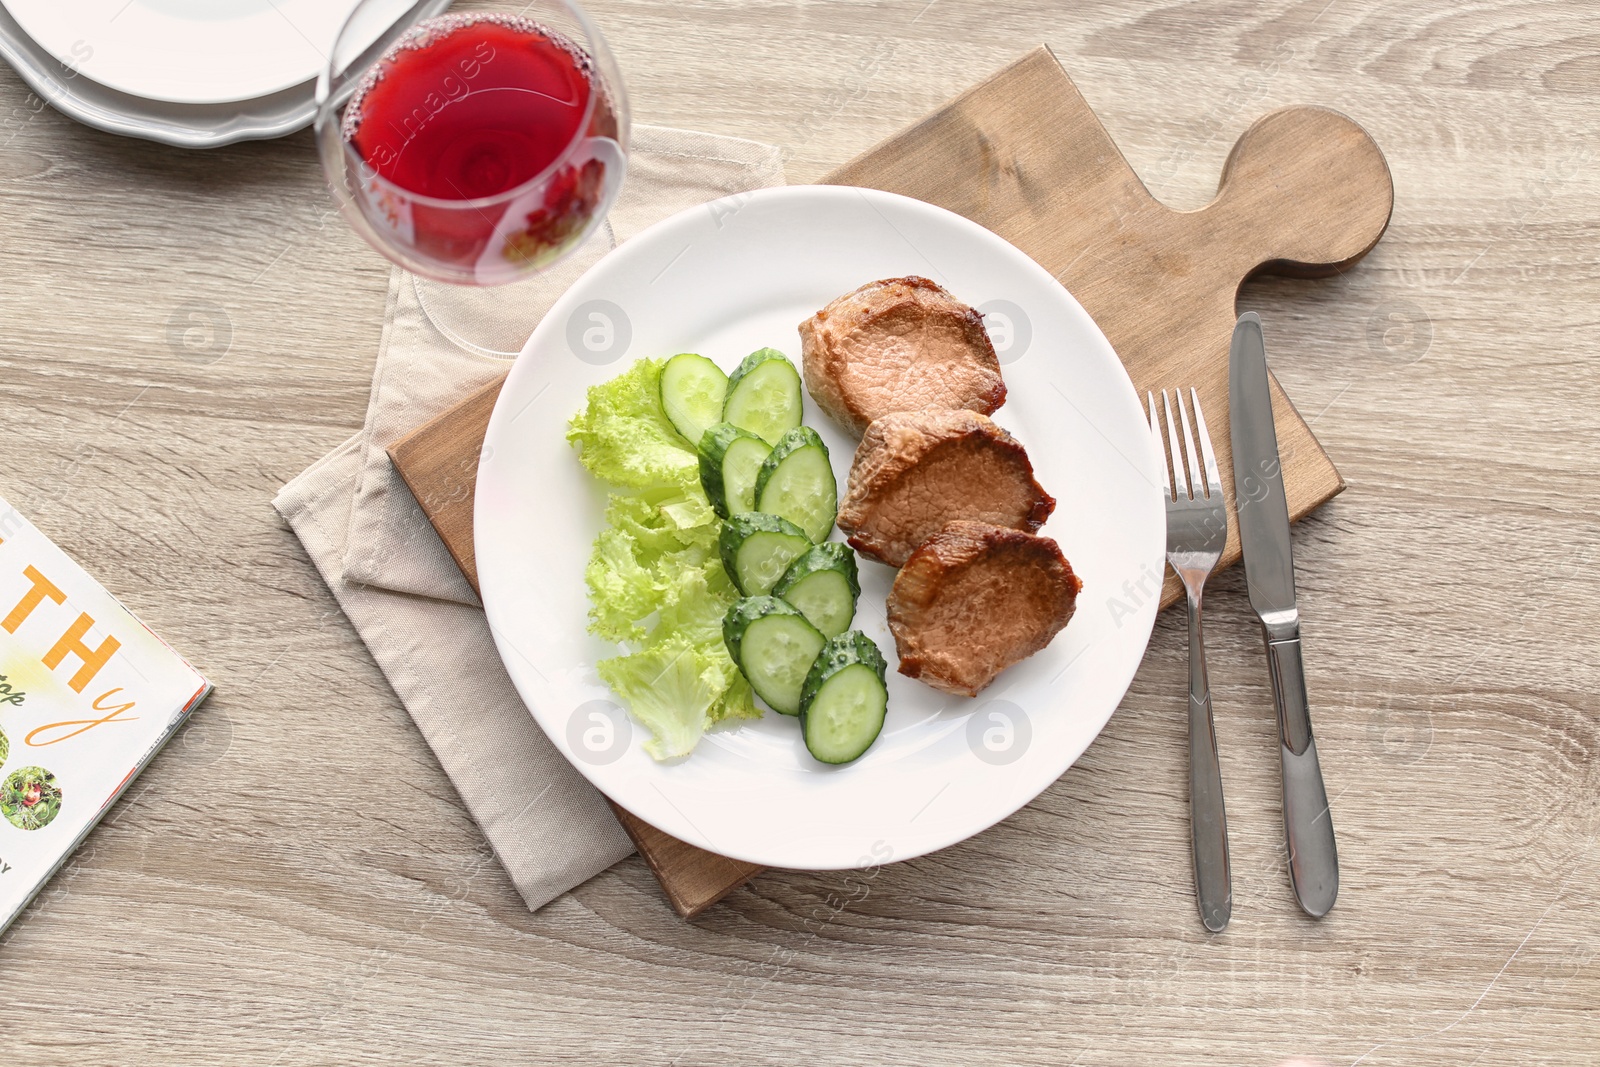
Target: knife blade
[{"x": 1263, "y": 517}]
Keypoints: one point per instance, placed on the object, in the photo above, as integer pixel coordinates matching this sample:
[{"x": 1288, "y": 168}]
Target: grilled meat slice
[
  {"x": 974, "y": 599},
  {"x": 914, "y": 471},
  {"x": 898, "y": 345}
]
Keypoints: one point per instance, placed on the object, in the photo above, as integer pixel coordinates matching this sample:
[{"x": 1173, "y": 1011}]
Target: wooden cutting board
[{"x": 1305, "y": 191}]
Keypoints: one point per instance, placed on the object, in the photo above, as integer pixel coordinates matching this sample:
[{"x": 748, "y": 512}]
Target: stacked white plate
[{"x": 193, "y": 73}]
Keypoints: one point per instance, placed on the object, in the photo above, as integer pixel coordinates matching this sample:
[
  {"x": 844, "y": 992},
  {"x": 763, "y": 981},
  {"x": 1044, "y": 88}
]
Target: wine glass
[{"x": 476, "y": 149}]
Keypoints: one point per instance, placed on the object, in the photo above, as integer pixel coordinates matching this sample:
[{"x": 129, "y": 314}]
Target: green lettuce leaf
[
  {"x": 642, "y": 559},
  {"x": 669, "y": 691},
  {"x": 738, "y": 701},
  {"x": 693, "y": 610},
  {"x": 656, "y": 582},
  {"x": 621, "y": 588},
  {"x": 695, "y": 602},
  {"x": 624, "y": 437}
]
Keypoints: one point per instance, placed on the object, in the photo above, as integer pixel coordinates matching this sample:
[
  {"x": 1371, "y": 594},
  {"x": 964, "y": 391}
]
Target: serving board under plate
[{"x": 1305, "y": 191}]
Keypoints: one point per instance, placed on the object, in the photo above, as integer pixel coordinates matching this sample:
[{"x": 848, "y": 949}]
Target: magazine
[{"x": 88, "y": 695}]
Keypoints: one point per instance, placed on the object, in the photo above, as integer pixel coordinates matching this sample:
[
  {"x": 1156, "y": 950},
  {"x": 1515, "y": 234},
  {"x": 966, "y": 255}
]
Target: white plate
[
  {"x": 738, "y": 274},
  {"x": 189, "y": 51},
  {"x": 183, "y": 125}
]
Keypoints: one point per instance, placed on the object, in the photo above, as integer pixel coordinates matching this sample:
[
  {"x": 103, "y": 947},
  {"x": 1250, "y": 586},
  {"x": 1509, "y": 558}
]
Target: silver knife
[{"x": 1263, "y": 513}]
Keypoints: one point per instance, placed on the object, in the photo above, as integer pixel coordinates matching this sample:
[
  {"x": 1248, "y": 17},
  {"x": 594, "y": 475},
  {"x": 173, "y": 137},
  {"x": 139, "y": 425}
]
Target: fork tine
[
  {"x": 1213, "y": 476},
  {"x": 1178, "y": 476},
  {"x": 1161, "y": 445},
  {"x": 1196, "y": 479}
]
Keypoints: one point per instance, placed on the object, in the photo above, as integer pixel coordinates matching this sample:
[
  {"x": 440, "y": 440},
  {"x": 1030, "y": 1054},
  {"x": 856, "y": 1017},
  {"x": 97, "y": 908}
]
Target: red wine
[
  {"x": 470, "y": 107},
  {"x": 466, "y": 107}
]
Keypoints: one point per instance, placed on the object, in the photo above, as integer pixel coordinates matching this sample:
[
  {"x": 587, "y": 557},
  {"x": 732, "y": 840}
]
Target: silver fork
[{"x": 1197, "y": 528}]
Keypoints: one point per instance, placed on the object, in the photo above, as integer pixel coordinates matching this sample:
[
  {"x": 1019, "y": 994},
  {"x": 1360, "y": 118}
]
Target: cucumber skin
[
  {"x": 712, "y": 448},
  {"x": 850, "y": 649},
  {"x": 740, "y": 618},
  {"x": 745, "y": 611},
  {"x": 828, "y": 556},
  {"x": 750, "y": 363},
  {"x": 846, "y": 650},
  {"x": 739, "y": 527},
  {"x": 662, "y": 388},
  {"x": 792, "y": 441}
]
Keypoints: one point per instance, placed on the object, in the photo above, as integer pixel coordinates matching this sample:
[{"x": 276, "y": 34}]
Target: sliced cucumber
[
  {"x": 774, "y": 646},
  {"x": 764, "y": 395},
  {"x": 757, "y": 549},
  {"x": 692, "y": 393},
  {"x": 730, "y": 461},
  {"x": 796, "y": 482},
  {"x": 823, "y": 584},
  {"x": 843, "y": 700}
]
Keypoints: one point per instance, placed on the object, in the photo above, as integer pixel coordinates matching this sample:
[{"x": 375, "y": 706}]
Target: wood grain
[
  {"x": 294, "y": 881},
  {"x": 438, "y": 461}
]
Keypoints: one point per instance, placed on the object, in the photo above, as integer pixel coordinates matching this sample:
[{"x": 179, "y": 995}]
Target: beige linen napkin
[{"x": 400, "y": 589}]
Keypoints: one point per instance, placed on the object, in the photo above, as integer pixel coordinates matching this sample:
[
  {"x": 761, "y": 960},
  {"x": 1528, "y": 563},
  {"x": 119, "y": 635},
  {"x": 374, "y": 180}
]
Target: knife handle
[{"x": 1313, "y": 855}]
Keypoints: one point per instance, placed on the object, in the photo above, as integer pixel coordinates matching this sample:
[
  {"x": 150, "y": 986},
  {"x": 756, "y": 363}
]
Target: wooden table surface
[{"x": 294, "y": 880}]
